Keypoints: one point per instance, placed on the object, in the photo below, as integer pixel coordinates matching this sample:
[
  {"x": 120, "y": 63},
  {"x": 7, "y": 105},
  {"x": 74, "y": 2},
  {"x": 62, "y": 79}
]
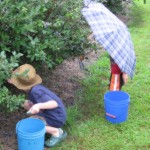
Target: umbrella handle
[
  {"x": 110, "y": 115},
  {"x": 17, "y": 126}
]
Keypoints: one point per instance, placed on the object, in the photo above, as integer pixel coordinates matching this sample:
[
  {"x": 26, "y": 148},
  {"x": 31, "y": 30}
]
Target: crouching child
[{"x": 42, "y": 103}]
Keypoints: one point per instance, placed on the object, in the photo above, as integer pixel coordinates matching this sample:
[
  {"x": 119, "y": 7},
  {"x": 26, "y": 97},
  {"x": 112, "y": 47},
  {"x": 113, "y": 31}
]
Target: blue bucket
[
  {"x": 30, "y": 134},
  {"x": 116, "y": 104}
]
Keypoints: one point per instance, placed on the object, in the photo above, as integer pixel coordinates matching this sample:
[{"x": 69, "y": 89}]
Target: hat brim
[{"x": 21, "y": 86}]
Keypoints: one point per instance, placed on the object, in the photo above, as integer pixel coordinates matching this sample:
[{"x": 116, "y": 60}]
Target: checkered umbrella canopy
[{"x": 112, "y": 34}]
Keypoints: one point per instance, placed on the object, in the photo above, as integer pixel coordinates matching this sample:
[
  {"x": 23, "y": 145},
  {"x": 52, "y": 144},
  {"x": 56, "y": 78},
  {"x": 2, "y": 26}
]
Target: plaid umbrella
[{"x": 112, "y": 34}]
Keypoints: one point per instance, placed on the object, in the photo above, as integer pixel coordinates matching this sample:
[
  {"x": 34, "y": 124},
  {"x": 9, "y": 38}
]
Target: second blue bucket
[
  {"x": 116, "y": 104},
  {"x": 30, "y": 134}
]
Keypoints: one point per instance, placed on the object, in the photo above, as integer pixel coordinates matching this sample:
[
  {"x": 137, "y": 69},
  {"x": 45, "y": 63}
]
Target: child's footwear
[
  {"x": 53, "y": 141},
  {"x": 47, "y": 136}
]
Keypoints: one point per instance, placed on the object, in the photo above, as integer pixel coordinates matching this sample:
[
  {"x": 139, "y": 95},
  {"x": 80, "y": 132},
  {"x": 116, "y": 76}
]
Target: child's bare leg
[
  {"x": 57, "y": 136},
  {"x": 125, "y": 78},
  {"x": 53, "y": 131}
]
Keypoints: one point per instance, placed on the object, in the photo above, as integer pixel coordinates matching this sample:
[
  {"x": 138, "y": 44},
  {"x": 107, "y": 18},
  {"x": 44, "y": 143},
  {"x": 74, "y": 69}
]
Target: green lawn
[{"x": 88, "y": 129}]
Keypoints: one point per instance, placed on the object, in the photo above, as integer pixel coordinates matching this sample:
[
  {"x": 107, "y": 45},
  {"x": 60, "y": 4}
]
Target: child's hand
[
  {"x": 34, "y": 109},
  {"x": 125, "y": 78},
  {"x": 9, "y": 81},
  {"x": 27, "y": 105}
]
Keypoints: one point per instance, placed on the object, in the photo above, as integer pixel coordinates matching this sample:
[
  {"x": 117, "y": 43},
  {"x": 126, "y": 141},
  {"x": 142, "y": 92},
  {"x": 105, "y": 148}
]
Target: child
[
  {"x": 42, "y": 103},
  {"x": 113, "y": 35}
]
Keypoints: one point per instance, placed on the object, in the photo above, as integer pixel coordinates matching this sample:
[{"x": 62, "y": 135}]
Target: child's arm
[{"x": 46, "y": 105}]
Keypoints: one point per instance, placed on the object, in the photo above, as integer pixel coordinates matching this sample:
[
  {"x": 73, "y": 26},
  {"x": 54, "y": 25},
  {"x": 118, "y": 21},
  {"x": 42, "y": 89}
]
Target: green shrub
[
  {"x": 8, "y": 101},
  {"x": 7, "y": 65},
  {"x": 43, "y": 31},
  {"x": 117, "y": 6}
]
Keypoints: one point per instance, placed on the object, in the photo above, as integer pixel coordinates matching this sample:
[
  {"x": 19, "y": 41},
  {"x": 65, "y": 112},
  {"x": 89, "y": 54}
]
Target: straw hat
[{"x": 24, "y": 77}]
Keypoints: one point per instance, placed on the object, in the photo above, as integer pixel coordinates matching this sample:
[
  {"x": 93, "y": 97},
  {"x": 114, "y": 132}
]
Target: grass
[
  {"x": 88, "y": 129},
  {"x": 1, "y": 147}
]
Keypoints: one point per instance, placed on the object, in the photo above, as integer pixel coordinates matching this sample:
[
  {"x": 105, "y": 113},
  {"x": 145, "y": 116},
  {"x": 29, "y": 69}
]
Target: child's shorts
[
  {"x": 39, "y": 117},
  {"x": 51, "y": 123}
]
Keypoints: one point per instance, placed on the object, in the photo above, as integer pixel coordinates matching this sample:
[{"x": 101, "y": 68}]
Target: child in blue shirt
[{"x": 43, "y": 103}]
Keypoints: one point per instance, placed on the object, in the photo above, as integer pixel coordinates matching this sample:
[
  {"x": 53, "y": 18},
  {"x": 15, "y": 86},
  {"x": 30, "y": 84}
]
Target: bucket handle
[
  {"x": 17, "y": 126},
  {"x": 110, "y": 115}
]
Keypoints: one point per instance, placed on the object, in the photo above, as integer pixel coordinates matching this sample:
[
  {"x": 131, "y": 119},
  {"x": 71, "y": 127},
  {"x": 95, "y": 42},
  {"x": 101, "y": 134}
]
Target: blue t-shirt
[{"x": 54, "y": 117}]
